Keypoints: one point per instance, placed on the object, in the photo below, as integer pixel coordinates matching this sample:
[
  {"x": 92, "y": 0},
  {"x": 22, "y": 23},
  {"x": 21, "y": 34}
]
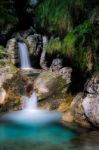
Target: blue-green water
[
  {"x": 46, "y": 137},
  {"x": 16, "y": 137}
]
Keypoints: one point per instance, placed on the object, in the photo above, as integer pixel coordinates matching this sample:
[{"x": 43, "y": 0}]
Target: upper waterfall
[{"x": 24, "y": 56}]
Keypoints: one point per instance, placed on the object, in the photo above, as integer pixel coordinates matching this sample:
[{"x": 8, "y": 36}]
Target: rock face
[
  {"x": 6, "y": 71},
  {"x": 34, "y": 44},
  {"x": 49, "y": 82}
]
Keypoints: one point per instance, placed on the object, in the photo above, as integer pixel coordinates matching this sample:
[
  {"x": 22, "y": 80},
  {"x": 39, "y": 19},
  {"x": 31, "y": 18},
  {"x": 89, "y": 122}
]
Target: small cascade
[
  {"x": 29, "y": 103},
  {"x": 24, "y": 56}
]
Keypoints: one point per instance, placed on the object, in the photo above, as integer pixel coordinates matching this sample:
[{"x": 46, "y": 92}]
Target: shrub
[
  {"x": 80, "y": 45},
  {"x": 60, "y": 16},
  {"x": 54, "y": 45},
  {"x": 2, "y": 52}
]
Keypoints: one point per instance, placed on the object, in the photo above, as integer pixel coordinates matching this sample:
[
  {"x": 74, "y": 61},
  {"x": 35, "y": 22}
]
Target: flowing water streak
[
  {"x": 24, "y": 56},
  {"x": 29, "y": 103}
]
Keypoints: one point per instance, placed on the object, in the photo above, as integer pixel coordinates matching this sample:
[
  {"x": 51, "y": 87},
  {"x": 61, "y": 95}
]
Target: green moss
[
  {"x": 59, "y": 85},
  {"x": 68, "y": 45},
  {"x": 54, "y": 45},
  {"x": 2, "y": 51}
]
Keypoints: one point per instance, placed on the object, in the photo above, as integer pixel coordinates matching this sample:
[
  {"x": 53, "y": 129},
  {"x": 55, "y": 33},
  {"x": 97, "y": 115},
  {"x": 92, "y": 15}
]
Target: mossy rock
[{"x": 50, "y": 84}]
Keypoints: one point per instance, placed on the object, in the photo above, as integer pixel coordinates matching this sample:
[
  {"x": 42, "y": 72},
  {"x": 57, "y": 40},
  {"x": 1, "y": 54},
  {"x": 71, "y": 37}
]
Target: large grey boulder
[
  {"x": 91, "y": 101},
  {"x": 91, "y": 108}
]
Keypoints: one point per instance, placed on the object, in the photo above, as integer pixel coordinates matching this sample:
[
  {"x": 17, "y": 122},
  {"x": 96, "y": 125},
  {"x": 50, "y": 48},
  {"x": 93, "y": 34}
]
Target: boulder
[
  {"x": 91, "y": 108},
  {"x": 49, "y": 83},
  {"x": 78, "y": 111},
  {"x": 91, "y": 101}
]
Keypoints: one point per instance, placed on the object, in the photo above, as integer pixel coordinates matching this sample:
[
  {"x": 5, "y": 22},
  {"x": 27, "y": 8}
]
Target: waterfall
[
  {"x": 29, "y": 103},
  {"x": 30, "y": 114},
  {"x": 24, "y": 56}
]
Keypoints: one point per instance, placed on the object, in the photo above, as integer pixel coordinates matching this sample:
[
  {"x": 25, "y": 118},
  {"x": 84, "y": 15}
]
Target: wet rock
[{"x": 68, "y": 117}]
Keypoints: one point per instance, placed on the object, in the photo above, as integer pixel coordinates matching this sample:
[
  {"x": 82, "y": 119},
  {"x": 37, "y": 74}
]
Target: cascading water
[
  {"x": 24, "y": 56},
  {"x": 29, "y": 103},
  {"x": 31, "y": 114}
]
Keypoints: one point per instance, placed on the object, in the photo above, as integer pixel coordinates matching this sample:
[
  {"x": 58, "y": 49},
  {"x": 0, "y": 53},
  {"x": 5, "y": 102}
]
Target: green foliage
[
  {"x": 2, "y": 52},
  {"x": 6, "y": 15},
  {"x": 80, "y": 45},
  {"x": 54, "y": 45},
  {"x": 68, "y": 44},
  {"x": 60, "y": 16}
]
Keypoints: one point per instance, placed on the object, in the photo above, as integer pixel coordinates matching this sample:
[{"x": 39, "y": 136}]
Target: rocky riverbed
[{"x": 51, "y": 88}]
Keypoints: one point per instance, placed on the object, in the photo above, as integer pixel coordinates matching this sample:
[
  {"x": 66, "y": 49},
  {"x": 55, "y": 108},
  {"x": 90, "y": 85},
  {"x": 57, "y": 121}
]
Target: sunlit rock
[
  {"x": 2, "y": 96},
  {"x": 50, "y": 83}
]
